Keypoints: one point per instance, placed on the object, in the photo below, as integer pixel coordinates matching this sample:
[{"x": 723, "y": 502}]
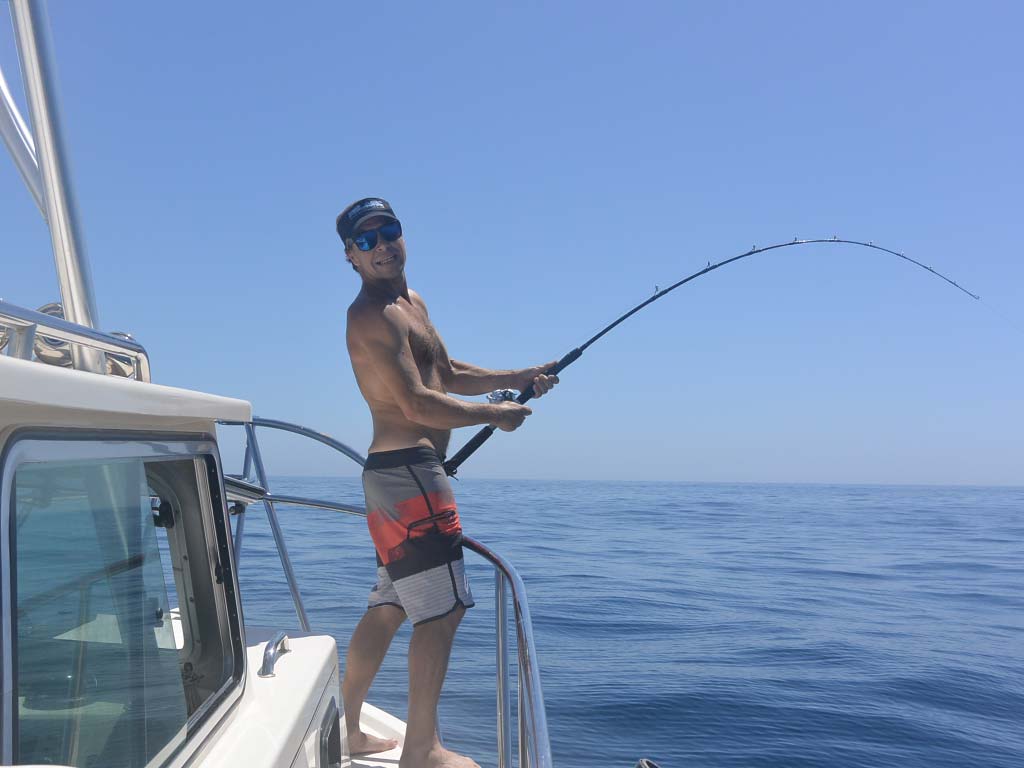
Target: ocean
[{"x": 710, "y": 624}]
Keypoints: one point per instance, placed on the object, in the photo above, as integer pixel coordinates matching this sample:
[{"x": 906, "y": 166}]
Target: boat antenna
[{"x": 452, "y": 465}]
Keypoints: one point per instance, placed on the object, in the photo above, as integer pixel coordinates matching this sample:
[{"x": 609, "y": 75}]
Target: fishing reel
[{"x": 501, "y": 395}]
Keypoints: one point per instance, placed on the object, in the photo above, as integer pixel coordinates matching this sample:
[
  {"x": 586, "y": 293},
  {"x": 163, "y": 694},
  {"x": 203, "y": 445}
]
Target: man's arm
[
  {"x": 467, "y": 379},
  {"x": 385, "y": 338}
]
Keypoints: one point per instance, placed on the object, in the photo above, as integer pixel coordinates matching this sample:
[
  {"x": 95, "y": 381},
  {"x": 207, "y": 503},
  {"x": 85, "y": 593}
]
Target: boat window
[{"x": 122, "y": 631}]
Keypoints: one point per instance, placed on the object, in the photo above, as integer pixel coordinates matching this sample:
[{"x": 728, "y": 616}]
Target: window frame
[{"x": 32, "y": 445}]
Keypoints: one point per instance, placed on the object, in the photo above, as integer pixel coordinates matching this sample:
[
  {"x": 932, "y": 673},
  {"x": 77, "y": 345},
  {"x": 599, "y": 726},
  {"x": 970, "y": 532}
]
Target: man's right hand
[{"x": 511, "y": 415}]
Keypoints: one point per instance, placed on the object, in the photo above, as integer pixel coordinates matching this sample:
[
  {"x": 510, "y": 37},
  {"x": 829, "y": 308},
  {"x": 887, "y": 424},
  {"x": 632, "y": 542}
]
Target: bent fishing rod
[{"x": 451, "y": 466}]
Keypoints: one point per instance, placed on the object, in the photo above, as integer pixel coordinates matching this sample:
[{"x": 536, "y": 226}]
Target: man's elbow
[
  {"x": 411, "y": 408},
  {"x": 449, "y": 376},
  {"x": 417, "y": 407}
]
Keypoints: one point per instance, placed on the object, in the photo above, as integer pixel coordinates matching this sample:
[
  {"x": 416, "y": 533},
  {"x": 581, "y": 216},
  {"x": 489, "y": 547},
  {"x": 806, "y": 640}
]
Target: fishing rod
[{"x": 451, "y": 466}]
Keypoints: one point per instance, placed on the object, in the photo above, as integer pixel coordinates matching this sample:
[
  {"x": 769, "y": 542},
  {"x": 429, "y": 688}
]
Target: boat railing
[
  {"x": 253, "y": 486},
  {"x": 24, "y": 332}
]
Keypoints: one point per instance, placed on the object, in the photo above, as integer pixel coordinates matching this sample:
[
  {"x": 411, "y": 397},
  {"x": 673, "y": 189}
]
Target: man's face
[{"x": 384, "y": 261}]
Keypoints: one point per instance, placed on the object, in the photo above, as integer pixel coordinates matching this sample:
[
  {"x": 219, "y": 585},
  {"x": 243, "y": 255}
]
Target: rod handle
[
  {"x": 452, "y": 465},
  {"x": 561, "y": 365}
]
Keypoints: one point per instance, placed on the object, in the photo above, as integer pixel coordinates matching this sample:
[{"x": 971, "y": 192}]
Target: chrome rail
[
  {"x": 19, "y": 143},
  {"x": 285, "y": 426},
  {"x": 534, "y": 741},
  {"x": 32, "y": 36},
  {"x": 24, "y": 325},
  {"x": 275, "y": 527},
  {"x": 503, "y": 690},
  {"x": 302, "y": 501}
]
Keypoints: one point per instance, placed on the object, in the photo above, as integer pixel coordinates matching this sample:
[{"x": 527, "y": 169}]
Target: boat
[{"x": 123, "y": 638}]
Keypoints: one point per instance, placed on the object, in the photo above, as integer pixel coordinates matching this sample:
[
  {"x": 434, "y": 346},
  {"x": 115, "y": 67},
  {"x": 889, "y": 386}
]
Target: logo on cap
[{"x": 366, "y": 206}]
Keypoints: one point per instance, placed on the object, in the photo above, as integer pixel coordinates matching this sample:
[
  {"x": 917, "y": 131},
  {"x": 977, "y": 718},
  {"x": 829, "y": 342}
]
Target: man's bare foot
[
  {"x": 437, "y": 757},
  {"x": 364, "y": 744}
]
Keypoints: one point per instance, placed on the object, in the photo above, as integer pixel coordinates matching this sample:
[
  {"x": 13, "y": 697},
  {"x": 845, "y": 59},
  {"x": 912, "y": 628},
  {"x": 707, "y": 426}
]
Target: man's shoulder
[
  {"x": 368, "y": 316},
  {"x": 417, "y": 300}
]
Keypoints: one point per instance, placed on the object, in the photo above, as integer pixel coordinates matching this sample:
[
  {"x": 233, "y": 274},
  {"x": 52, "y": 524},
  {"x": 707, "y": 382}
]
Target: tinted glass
[{"x": 108, "y": 670}]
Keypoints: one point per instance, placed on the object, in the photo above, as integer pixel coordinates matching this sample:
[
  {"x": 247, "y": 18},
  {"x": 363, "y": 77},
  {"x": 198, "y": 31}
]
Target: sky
[{"x": 552, "y": 163}]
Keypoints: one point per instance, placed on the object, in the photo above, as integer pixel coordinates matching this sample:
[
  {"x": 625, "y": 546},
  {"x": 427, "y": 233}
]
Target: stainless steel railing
[
  {"x": 534, "y": 742},
  {"x": 32, "y": 36},
  {"x": 19, "y": 328}
]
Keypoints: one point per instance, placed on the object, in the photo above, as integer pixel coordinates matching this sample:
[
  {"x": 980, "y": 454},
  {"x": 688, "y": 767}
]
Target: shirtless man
[{"x": 404, "y": 372}]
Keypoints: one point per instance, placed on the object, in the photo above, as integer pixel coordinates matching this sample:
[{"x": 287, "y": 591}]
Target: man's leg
[
  {"x": 429, "y": 651},
  {"x": 366, "y": 651}
]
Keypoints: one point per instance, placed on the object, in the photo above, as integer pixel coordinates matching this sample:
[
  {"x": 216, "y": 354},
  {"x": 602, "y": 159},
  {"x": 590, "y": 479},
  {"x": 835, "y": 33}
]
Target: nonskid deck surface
[{"x": 377, "y": 722}]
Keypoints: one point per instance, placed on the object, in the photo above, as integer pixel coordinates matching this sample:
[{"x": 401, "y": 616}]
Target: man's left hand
[{"x": 541, "y": 381}]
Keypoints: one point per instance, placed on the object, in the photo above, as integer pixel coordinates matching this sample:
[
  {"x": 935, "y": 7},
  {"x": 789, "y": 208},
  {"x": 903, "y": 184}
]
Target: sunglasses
[{"x": 367, "y": 241}]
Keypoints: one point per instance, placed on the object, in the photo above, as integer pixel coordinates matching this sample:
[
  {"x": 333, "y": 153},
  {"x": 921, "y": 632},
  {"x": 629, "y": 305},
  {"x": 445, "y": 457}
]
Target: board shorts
[{"x": 414, "y": 524}]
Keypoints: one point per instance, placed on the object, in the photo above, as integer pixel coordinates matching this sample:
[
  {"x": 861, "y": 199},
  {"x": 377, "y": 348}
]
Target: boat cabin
[{"x": 123, "y": 642}]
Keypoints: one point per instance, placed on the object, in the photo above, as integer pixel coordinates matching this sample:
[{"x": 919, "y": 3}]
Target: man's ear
[{"x": 348, "y": 257}]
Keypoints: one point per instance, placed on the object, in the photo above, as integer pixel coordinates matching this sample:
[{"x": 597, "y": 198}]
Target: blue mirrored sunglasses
[{"x": 367, "y": 241}]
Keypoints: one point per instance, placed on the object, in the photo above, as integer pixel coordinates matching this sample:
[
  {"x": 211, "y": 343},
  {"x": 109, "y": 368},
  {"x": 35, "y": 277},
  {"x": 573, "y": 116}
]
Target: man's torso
[{"x": 391, "y": 428}]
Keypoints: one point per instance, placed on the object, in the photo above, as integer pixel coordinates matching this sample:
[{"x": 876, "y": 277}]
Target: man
[{"x": 404, "y": 373}]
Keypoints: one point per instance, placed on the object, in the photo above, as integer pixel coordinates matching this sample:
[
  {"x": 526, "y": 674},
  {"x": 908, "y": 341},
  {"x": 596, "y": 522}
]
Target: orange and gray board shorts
[{"x": 414, "y": 524}]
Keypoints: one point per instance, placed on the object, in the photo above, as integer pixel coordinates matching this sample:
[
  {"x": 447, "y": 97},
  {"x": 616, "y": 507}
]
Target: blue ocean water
[{"x": 711, "y": 624}]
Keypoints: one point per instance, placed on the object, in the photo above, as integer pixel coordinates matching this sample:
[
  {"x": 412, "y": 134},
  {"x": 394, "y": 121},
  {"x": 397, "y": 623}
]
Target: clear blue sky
[{"x": 552, "y": 163}]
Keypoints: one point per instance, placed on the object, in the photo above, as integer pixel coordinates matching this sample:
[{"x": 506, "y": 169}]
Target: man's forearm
[
  {"x": 439, "y": 411},
  {"x": 469, "y": 379}
]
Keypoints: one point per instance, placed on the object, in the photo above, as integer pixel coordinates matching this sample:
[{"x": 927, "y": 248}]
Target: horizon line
[{"x": 873, "y": 484}]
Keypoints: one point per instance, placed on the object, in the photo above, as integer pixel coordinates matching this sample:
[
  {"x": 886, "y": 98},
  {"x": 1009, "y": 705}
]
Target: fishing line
[{"x": 451, "y": 466}]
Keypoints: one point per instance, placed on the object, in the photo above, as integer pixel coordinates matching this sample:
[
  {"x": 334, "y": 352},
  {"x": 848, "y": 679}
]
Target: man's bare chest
[{"x": 425, "y": 343}]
